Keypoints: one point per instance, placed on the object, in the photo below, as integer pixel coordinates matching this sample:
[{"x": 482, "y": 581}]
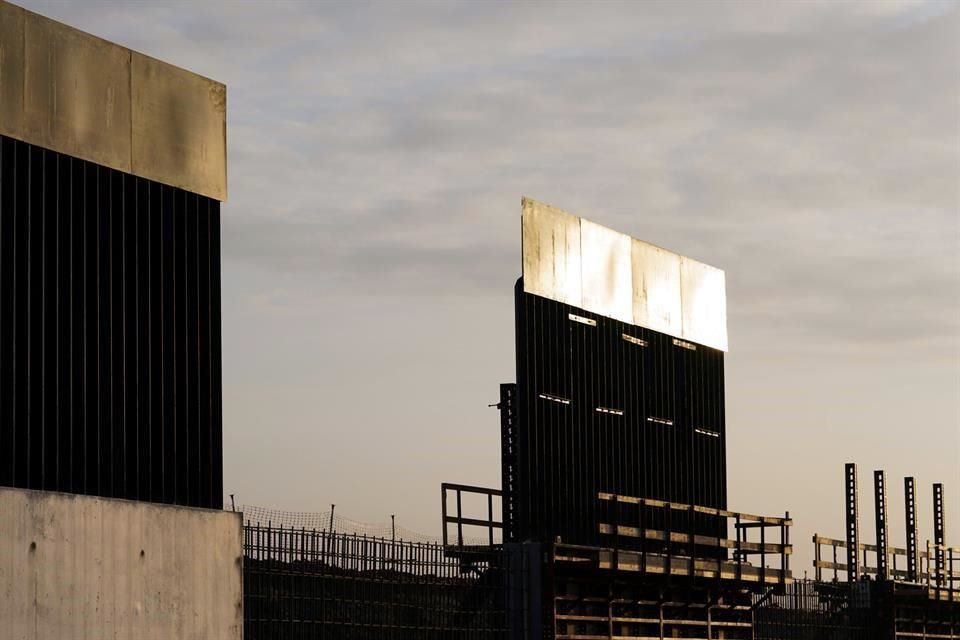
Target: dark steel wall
[
  {"x": 110, "y": 370},
  {"x": 564, "y": 451}
]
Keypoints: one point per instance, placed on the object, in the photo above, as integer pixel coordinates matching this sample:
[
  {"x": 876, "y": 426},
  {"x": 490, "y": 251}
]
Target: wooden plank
[
  {"x": 678, "y": 506},
  {"x": 699, "y": 540}
]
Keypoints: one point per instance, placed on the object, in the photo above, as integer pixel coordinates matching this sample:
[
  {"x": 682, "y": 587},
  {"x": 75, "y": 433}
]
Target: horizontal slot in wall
[
  {"x": 110, "y": 358},
  {"x": 645, "y": 418}
]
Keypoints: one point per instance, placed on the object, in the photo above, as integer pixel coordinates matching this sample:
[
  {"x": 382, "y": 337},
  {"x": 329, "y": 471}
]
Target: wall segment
[
  {"x": 83, "y": 567},
  {"x": 74, "y": 93},
  {"x": 586, "y": 265}
]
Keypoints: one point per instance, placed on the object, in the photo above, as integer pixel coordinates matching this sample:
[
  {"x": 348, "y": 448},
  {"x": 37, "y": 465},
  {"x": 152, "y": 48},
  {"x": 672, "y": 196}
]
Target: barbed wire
[{"x": 330, "y": 521}]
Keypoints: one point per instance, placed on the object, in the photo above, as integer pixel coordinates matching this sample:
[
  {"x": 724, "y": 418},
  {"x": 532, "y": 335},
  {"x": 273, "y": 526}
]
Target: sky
[{"x": 377, "y": 156}]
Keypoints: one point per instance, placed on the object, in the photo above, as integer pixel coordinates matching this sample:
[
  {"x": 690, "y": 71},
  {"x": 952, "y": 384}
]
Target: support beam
[
  {"x": 508, "y": 453},
  {"x": 853, "y": 523},
  {"x": 880, "y": 510},
  {"x": 939, "y": 533},
  {"x": 910, "y": 518}
]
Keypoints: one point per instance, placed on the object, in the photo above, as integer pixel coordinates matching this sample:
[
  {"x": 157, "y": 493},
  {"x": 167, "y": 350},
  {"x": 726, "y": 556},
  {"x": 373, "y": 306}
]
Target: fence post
[
  {"x": 459, "y": 519},
  {"x": 739, "y": 550}
]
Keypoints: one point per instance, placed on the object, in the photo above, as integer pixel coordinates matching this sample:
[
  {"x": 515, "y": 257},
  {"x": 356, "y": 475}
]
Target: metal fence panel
[{"x": 301, "y": 583}]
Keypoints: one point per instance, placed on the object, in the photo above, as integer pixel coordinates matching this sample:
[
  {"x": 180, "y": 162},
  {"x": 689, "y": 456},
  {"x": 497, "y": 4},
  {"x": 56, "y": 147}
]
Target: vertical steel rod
[
  {"x": 459, "y": 520},
  {"x": 939, "y": 532},
  {"x": 853, "y": 524},
  {"x": 443, "y": 512},
  {"x": 880, "y": 504},
  {"x": 910, "y": 517}
]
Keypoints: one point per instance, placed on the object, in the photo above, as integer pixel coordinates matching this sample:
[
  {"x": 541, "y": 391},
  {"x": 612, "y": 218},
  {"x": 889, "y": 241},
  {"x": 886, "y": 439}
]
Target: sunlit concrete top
[
  {"x": 580, "y": 263},
  {"x": 72, "y": 92}
]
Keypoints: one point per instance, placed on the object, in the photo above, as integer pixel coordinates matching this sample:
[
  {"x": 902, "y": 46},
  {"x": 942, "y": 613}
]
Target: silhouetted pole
[
  {"x": 880, "y": 510},
  {"x": 939, "y": 532},
  {"x": 910, "y": 516},
  {"x": 853, "y": 524}
]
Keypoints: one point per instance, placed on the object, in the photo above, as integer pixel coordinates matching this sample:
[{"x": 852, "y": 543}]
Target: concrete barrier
[{"x": 80, "y": 567}]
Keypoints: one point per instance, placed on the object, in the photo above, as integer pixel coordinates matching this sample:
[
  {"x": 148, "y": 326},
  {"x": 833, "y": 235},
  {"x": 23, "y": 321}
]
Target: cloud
[
  {"x": 379, "y": 150},
  {"x": 379, "y": 147}
]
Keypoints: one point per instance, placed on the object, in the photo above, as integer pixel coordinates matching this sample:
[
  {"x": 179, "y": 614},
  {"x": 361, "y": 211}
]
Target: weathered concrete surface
[
  {"x": 83, "y": 568},
  {"x": 69, "y": 91}
]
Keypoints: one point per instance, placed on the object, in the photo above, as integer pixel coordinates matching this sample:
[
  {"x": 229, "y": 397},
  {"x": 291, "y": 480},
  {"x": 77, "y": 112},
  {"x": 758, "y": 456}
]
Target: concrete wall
[{"x": 80, "y": 567}]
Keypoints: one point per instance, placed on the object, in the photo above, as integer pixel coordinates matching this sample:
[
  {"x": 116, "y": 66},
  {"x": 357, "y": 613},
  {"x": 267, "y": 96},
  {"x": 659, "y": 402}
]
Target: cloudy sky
[{"x": 378, "y": 153}]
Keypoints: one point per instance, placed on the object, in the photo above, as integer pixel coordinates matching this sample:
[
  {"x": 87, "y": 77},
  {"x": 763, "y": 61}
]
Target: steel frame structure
[
  {"x": 650, "y": 576},
  {"x": 920, "y": 598},
  {"x": 490, "y": 525}
]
